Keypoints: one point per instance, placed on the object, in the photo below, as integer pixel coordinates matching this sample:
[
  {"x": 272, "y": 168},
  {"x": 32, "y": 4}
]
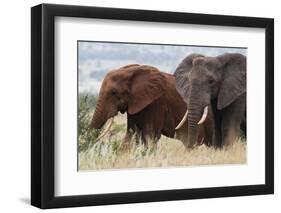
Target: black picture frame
[{"x": 43, "y": 105}]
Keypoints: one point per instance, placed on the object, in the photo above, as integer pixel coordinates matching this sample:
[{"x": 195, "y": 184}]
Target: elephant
[
  {"x": 151, "y": 101},
  {"x": 216, "y": 82}
]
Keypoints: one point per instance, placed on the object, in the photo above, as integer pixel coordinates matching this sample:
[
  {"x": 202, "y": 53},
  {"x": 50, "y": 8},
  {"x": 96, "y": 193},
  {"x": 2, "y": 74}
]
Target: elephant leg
[
  {"x": 131, "y": 131},
  {"x": 149, "y": 138},
  {"x": 230, "y": 132},
  {"x": 207, "y": 135},
  {"x": 128, "y": 137},
  {"x": 231, "y": 120},
  {"x": 181, "y": 134},
  {"x": 243, "y": 125},
  {"x": 208, "y": 126},
  {"x": 150, "y": 134}
]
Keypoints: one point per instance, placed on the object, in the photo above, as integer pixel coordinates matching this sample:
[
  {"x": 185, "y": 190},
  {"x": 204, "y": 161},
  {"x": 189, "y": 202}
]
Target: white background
[
  {"x": 70, "y": 182},
  {"x": 15, "y": 106}
]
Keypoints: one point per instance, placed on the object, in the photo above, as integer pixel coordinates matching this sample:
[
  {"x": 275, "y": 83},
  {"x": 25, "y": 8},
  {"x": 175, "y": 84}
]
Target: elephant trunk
[
  {"x": 193, "y": 119},
  {"x": 99, "y": 117},
  {"x": 194, "y": 114}
]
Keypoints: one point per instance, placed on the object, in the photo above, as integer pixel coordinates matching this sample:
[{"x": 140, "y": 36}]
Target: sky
[{"x": 96, "y": 59}]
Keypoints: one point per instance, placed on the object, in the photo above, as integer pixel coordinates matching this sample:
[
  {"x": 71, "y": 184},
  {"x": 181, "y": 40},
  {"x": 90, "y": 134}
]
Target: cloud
[{"x": 96, "y": 59}]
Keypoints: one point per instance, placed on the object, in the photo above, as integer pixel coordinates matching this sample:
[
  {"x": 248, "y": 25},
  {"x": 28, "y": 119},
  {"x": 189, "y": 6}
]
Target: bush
[
  {"x": 86, "y": 136},
  {"x": 86, "y": 109}
]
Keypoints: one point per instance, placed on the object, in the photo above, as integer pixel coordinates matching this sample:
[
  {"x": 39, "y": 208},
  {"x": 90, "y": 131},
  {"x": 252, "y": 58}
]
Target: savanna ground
[{"x": 108, "y": 153}]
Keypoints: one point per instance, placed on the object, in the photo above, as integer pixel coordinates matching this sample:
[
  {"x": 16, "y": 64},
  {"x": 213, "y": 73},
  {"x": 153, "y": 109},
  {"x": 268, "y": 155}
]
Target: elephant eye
[
  {"x": 113, "y": 92},
  {"x": 211, "y": 81}
]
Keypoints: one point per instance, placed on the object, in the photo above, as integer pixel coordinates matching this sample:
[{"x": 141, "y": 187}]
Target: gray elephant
[{"x": 220, "y": 83}]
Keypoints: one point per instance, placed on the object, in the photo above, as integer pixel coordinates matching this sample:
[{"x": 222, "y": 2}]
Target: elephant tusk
[
  {"x": 106, "y": 129},
  {"x": 182, "y": 120},
  {"x": 204, "y": 116}
]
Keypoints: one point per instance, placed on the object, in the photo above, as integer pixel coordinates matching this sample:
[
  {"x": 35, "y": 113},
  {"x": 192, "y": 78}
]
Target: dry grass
[{"x": 167, "y": 152}]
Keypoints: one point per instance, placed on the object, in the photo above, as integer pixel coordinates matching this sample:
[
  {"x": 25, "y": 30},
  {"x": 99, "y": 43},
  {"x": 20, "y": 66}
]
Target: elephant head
[
  {"x": 128, "y": 89},
  {"x": 200, "y": 79}
]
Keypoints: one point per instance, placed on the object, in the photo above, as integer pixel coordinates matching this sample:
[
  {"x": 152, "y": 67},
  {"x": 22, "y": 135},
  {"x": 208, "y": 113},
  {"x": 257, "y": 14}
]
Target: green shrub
[
  {"x": 85, "y": 111},
  {"x": 86, "y": 136}
]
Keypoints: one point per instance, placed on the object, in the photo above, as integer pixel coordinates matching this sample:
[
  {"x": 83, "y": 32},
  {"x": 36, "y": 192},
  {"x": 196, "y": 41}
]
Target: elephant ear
[
  {"x": 147, "y": 84},
  {"x": 181, "y": 75},
  {"x": 233, "y": 78}
]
